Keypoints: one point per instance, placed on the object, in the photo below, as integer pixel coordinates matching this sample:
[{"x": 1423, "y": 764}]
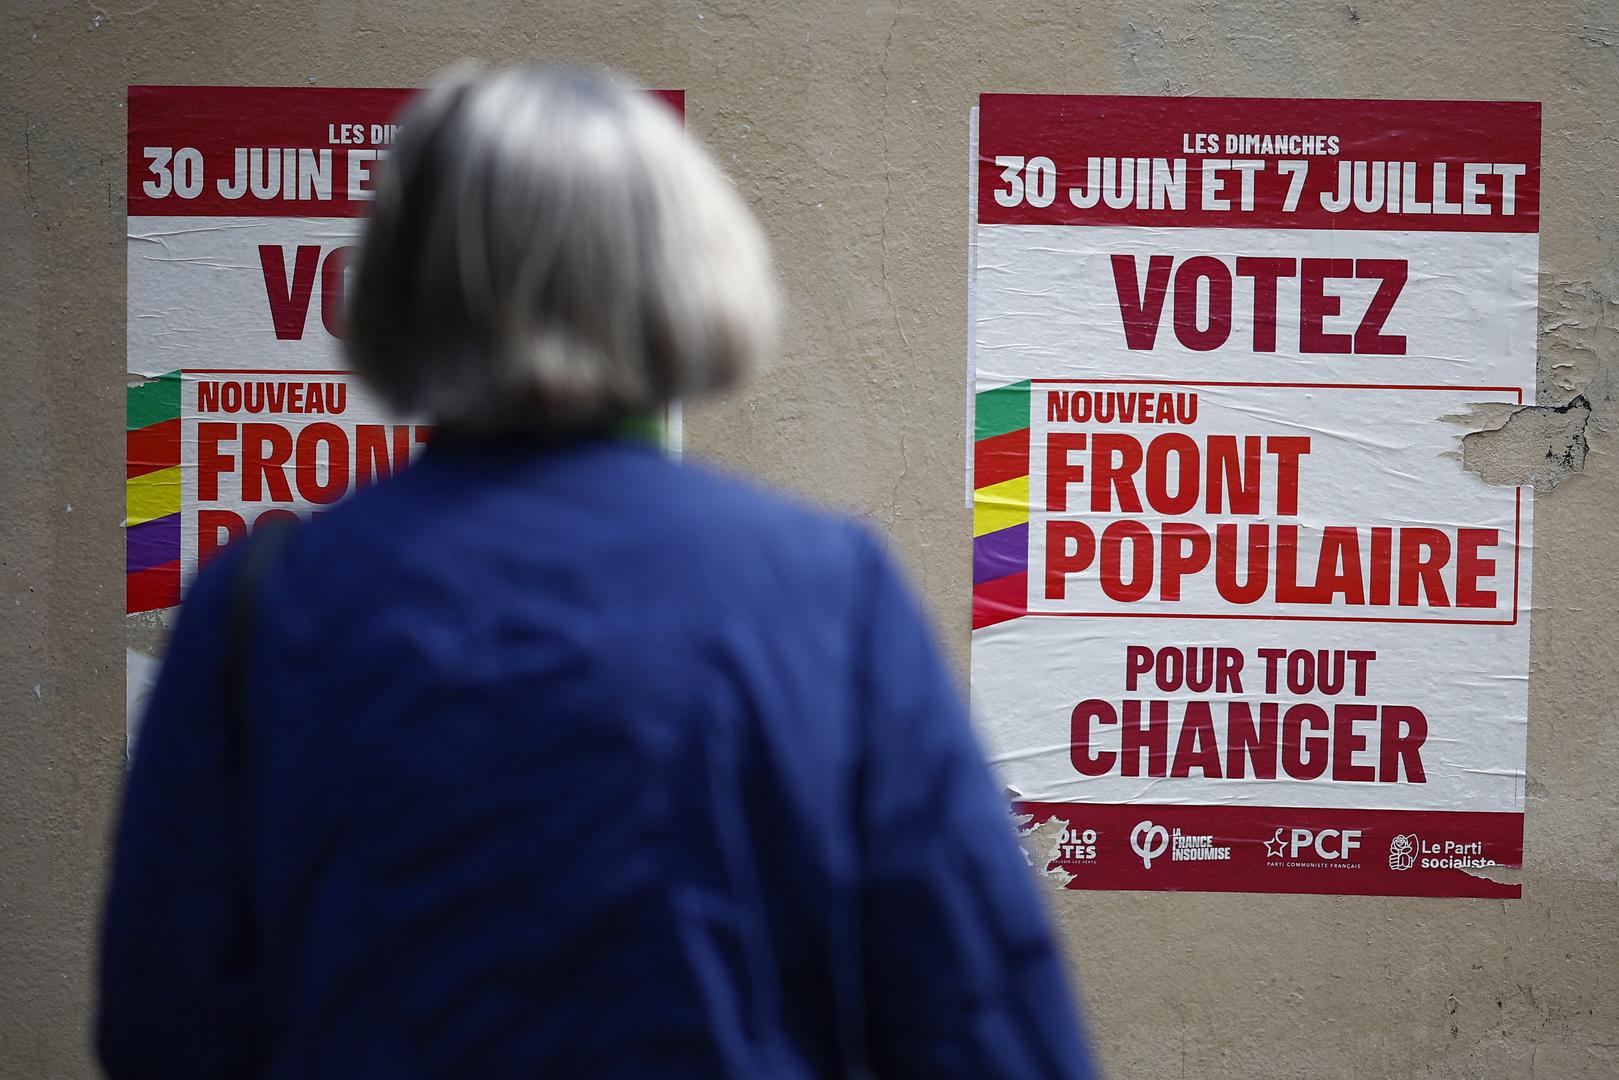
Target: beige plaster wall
[{"x": 845, "y": 124}]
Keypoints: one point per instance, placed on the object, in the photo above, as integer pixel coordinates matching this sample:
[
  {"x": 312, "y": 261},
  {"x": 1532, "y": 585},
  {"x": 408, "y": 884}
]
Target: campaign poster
[
  {"x": 244, "y": 208},
  {"x": 1242, "y": 621},
  {"x": 245, "y": 205}
]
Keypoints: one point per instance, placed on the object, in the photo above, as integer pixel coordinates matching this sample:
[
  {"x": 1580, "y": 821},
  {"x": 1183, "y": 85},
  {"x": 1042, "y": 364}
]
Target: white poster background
[
  {"x": 198, "y": 296},
  {"x": 1045, "y": 304}
]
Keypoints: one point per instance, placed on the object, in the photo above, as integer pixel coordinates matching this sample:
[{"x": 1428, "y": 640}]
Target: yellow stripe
[
  {"x": 1001, "y": 506},
  {"x": 152, "y": 495}
]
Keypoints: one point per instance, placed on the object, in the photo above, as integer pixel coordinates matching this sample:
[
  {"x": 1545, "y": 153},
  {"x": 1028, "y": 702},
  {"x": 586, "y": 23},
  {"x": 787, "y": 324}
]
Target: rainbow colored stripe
[
  {"x": 1001, "y": 505},
  {"x": 152, "y": 494}
]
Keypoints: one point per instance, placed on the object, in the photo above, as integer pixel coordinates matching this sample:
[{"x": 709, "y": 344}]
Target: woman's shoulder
[
  {"x": 599, "y": 514},
  {"x": 732, "y": 501},
  {"x": 736, "y": 522}
]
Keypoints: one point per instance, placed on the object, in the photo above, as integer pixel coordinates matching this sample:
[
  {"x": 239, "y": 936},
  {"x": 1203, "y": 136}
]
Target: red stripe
[
  {"x": 153, "y": 589},
  {"x": 1000, "y": 600},
  {"x": 334, "y": 126},
  {"x": 1069, "y": 131},
  {"x": 149, "y": 449},
  {"x": 1299, "y": 385},
  {"x": 1264, "y": 617},
  {"x": 1003, "y": 457}
]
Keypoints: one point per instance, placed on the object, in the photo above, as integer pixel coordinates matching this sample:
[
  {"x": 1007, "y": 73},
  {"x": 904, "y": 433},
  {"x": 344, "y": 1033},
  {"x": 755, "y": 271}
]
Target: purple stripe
[
  {"x": 996, "y": 554},
  {"x": 151, "y": 543}
]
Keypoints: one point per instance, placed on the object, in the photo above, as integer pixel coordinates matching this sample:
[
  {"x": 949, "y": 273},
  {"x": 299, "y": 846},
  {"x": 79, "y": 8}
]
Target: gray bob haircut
[{"x": 550, "y": 253}]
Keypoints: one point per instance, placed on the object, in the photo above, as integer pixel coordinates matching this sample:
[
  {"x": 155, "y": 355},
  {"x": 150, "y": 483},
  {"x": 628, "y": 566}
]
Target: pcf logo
[{"x": 1327, "y": 845}]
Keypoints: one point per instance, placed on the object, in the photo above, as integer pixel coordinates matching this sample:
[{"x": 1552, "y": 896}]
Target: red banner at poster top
[
  {"x": 1425, "y": 166},
  {"x": 260, "y": 151}
]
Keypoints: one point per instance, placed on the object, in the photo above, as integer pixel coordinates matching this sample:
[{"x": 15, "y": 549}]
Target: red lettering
[
  {"x": 371, "y": 453},
  {"x": 1141, "y": 309},
  {"x": 332, "y": 290},
  {"x": 1225, "y": 564},
  {"x": 289, "y": 301},
  {"x": 1060, "y": 560},
  {"x": 1227, "y": 480},
  {"x": 1060, "y": 472},
  {"x": 1152, "y": 737},
  {"x": 1137, "y": 662},
  {"x": 1087, "y": 761},
  {"x": 1338, "y": 567},
  {"x": 1382, "y": 565},
  {"x": 1108, "y": 476},
  {"x": 307, "y": 470},
  {"x": 1197, "y": 748},
  {"x": 1288, "y": 449},
  {"x": 265, "y": 451},
  {"x": 209, "y": 525},
  {"x": 210, "y": 461},
  {"x": 1288, "y": 590},
  {"x": 1113, "y": 540},
  {"x": 1345, "y": 742},
  {"x": 1265, "y": 272},
  {"x": 1471, "y": 566},
  {"x": 1369, "y": 337},
  {"x": 1141, "y": 304},
  {"x": 1404, "y": 731},
  {"x": 1316, "y": 304},
  {"x": 1202, "y": 268},
  {"x": 1423, "y": 553},
  {"x": 1304, "y": 757},
  {"x": 1186, "y": 551},
  {"x": 1187, "y": 473},
  {"x": 1244, "y": 741}
]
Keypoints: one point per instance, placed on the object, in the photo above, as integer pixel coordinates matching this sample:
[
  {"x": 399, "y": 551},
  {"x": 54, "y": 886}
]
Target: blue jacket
[{"x": 571, "y": 762}]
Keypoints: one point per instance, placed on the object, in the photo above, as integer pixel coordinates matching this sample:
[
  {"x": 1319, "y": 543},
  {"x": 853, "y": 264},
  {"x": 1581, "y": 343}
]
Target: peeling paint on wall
[
  {"x": 1542, "y": 445},
  {"x": 1042, "y": 846}
]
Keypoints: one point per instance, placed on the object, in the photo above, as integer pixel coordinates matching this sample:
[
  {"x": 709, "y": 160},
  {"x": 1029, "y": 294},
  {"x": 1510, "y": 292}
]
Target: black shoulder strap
[
  {"x": 262, "y": 547},
  {"x": 240, "y": 956}
]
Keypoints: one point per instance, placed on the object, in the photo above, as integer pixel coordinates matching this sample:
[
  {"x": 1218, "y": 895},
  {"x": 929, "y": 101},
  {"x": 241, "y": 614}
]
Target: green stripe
[
  {"x": 1003, "y": 409},
  {"x": 642, "y": 429},
  {"x": 153, "y": 401}
]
